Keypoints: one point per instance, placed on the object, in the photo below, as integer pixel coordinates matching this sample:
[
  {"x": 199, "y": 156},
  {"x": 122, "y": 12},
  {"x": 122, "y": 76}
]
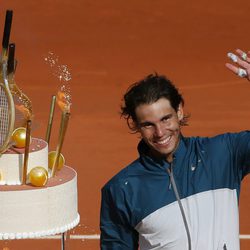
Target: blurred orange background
[{"x": 109, "y": 44}]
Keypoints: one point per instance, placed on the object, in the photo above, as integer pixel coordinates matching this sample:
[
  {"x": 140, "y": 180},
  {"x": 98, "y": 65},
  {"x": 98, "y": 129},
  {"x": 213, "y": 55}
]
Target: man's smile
[{"x": 163, "y": 142}]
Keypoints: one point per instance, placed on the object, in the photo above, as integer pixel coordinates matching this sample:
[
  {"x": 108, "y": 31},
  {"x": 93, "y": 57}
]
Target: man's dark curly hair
[{"x": 147, "y": 91}]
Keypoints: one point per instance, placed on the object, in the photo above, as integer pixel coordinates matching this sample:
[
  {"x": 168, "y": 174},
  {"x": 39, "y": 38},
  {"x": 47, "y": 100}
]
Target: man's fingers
[
  {"x": 242, "y": 61},
  {"x": 243, "y": 55},
  {"x": 238, "y": 60},
  {"x": 236, "y": 70},
  {"x": 233, "y": 68}
]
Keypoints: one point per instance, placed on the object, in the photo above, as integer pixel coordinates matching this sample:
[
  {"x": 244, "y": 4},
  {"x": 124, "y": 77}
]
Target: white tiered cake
[
  {"x": 27, "y": 211},
  {"x": 32, "y": 212}
]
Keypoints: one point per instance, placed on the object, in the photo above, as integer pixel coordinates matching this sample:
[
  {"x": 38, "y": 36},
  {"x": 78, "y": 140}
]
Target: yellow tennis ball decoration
[
  {"x": 52, "y": 158},
  {"x": 38, "y": 176},
  {"x": 19, "y": 137}
]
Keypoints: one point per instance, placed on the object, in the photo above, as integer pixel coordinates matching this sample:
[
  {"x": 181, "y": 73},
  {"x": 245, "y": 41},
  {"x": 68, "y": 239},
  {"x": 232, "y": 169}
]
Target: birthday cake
[
  {"x": 32, "y": 212},
  {"x": 35, "y": 201}
]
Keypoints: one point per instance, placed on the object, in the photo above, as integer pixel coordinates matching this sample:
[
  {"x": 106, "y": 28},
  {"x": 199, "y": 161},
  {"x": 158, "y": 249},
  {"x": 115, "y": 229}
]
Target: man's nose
[{"x": 159, "y": 130}]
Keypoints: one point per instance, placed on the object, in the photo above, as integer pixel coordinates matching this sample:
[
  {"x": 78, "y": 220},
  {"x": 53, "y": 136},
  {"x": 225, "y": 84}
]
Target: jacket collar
[{"x": 154, "y": 164}]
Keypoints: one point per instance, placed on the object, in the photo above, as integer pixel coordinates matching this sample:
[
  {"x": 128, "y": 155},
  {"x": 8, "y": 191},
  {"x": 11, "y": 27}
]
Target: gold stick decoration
[
  {"x": 26, "y": 152},
  {"x": 62, "y": 132},
  {"x": 51, "y": 116}
]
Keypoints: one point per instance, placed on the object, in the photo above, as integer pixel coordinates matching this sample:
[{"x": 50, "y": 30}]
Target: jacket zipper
[
  {"x": 172, "y": 180},
  {"x": 169, "y": 174}
]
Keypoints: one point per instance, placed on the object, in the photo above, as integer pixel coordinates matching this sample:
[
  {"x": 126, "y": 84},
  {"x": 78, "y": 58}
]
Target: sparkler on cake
[{"x": 64, "y": 103}]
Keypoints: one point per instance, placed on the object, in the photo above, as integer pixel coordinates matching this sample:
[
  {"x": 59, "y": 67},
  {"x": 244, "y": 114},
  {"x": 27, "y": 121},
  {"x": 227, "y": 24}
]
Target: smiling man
[
  {"x": 181, "y": 193},
  {"x": 159, "y": 125}
]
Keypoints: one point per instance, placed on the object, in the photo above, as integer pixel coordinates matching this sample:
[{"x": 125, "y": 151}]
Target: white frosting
[
  {"x": 10, "y": 183},
  {"x": 40, "y": 234},
  {"x": 27, "y": 213},
  {"x": 38, "y": 212},
  {"x": 11, "y": 164}
]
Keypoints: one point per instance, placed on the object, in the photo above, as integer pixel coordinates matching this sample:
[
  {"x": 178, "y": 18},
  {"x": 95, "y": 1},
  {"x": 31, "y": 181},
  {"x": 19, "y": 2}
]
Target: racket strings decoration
[
  {"x": 7, "y": 110},
  {"x": 22, "y": 103}
]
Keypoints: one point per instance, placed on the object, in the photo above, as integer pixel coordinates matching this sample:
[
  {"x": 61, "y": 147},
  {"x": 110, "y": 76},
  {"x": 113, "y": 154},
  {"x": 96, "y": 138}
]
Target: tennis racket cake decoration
[{"x": 15, "y": 106}]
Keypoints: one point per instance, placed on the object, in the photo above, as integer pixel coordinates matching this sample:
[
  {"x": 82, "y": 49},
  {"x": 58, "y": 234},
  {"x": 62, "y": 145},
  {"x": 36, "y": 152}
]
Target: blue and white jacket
[{"x": 139, "y": 205}]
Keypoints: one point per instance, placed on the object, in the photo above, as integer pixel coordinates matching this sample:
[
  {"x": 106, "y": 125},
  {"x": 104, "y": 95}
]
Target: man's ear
[{"x": 180, "y": 112}]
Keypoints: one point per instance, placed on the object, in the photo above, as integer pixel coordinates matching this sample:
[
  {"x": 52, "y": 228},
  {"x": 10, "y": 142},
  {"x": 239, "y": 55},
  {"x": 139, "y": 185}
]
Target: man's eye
[
  {"x": 146, "y": 125},
  {"x": 165, "y": 119}
]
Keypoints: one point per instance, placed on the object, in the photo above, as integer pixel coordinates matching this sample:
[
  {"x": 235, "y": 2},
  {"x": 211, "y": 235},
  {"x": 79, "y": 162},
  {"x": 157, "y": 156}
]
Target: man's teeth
[{"x": 164, "y": 141}]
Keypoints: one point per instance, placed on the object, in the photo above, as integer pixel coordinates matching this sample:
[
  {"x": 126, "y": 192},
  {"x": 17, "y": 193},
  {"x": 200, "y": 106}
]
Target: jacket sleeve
[
  {"x": 242, "y": 150},
  {"x": 116, "y": 232},
  {"x": 238, "y": 146}
]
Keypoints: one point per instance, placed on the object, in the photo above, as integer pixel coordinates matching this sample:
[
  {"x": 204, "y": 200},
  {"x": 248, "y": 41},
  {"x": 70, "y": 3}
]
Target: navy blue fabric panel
[
  {"x": 116, "y": 232},
  {"x": 242, "y": 150}
]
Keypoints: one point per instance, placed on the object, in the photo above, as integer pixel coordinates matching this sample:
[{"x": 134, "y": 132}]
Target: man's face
[{"x": 159, "y": 125}]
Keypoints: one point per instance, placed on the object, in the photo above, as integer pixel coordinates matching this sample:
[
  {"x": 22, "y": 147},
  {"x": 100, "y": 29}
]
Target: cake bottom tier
[{"x": 31, "y": 212}]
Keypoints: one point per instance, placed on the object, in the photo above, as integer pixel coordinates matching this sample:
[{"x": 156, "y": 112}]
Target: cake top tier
[{"x": 35, "y": 145}]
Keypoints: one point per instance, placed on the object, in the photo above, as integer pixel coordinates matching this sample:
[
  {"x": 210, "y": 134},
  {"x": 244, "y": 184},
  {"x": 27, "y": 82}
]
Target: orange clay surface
[{"x": 109, "y": 44}]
